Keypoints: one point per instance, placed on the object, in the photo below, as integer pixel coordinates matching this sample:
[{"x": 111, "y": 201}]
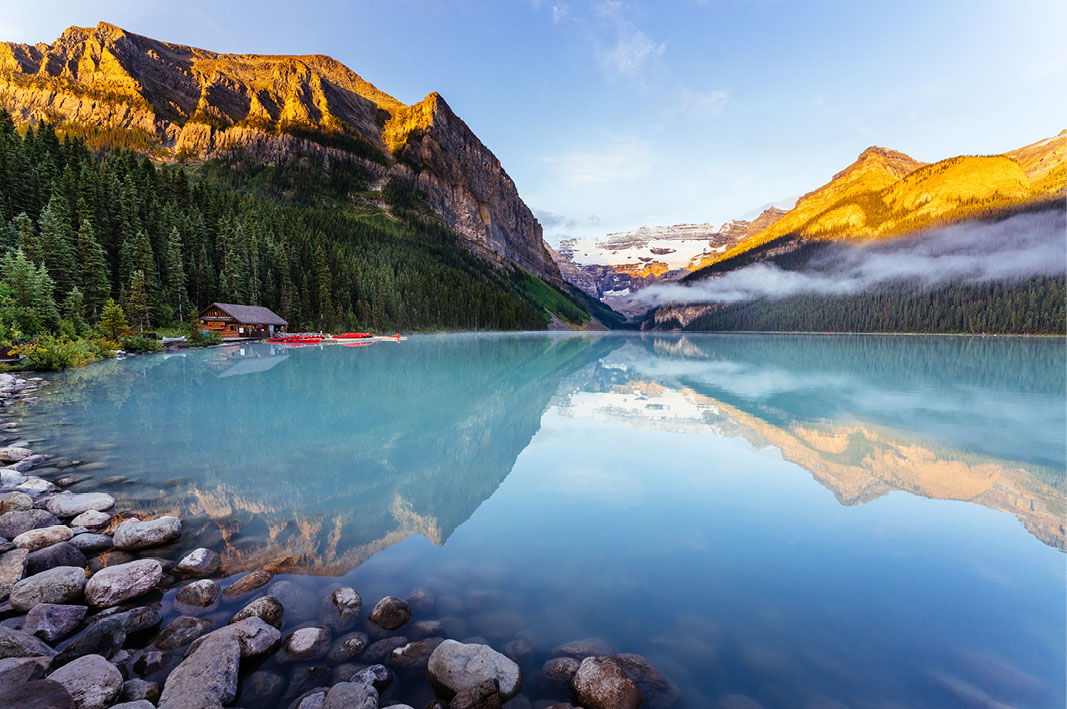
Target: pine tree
[
  {"x": 94, "y": 269},
  {"x": 177, "y": 294},
  {"x": 73, "y": 309},
  {"x": 137, "y": 302},
  {"x": 27, "y": 301},
  {"x": 113, "y": 321},
  {"x": 57, "y": 252},
  {"x": 25, "y": 238}
]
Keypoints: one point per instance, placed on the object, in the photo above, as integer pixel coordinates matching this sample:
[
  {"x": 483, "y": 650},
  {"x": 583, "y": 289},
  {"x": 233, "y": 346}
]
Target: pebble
[
  {"x": 180, "y": 632},
  {"x": 248, "y": 583},
  {"x": 91, "y": 519},
  {"x": 307, "y": 644},
  {"x": 72, "y": 504}
]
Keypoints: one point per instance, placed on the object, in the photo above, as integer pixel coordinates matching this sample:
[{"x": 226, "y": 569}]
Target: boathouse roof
[{"x": 248, "y": 314}]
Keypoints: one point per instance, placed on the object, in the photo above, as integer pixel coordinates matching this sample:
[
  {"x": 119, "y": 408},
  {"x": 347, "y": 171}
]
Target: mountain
[{"x": 179, "y": 102}]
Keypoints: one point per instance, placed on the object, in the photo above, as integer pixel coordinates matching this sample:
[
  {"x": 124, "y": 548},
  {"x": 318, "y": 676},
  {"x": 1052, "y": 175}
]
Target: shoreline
[{"x": 93, "y": 613}]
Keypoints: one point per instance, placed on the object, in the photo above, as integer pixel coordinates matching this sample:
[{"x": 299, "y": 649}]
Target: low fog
[{"x": 1023, "y": 245}]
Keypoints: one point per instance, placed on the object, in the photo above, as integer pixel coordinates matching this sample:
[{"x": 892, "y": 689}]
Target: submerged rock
[
  {"x": 180, "y": 632},
  {"x": 581, "y": 649},
  {"x": 199, "y": 593},
  {"x": 92, "y": 681},
  {"x": 340, "y": 610},
  {"x": 346, "y": 647},
  {"x": 454, "y": 667},
  {"x": 113, "y": 585},
  {"x": 378, "y": 676},
  {"x": 268, "y": 608},
  {"x": 600, "y": 683},
  {"x": 306, "y": 644},
  {"x": 348, "y": 695},
  {"x": 62, "y": 584},
  {"x": 390, "y": 613},
  {"x": 413, "y": 655},
  {"x": 142, "y": 535},
  {"x": 198, "y": 562},
  {"x": 658, "y": 691},
  {"x": 247, "y": 583},
  {"x": 380, "y": 651},
  {"x": 559, "y": 671}
]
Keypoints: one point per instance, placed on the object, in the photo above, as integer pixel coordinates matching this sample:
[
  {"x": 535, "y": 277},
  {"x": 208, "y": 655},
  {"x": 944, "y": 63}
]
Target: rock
[
  {"x": 15, "y": 643},
  {"x": 103, "y": 638},
  {"x": 247, "y": 583},
  {"x": 390, "y": 613},
  {"x": 414, "y": 655},
  {"x": 113, "y": 585},
  {"x": 482, "y": 696},
  {"x": 12, "y": 566},
  {"x": 208, "y": 672},
  {"x": 138, "y": 620},
  {"x": 519, "y": 651},
  {"x": 600, "y": 683},
  {"x": 142, "y": 535},
  {"x": 253, "y": 636},
  {"x": 13, "y": 454},
  {"x": 36, "y": 486},
  {"x": 198, "y": 562},
  {"x": 35, "y": 539},
  {"x": 199, "y": 593},
  {"x": 136, "y": 704},
  {"x": 307, "y": 677},
  {"x": 70, "y": 504},
  {"x": 306, "y": 644},
  {"x": 454, "y": 667},
  {"x": 92, "y": 681},
  {"x": 426, "y": 629},
  {"x": 16, "y": 501},
  {"x": 62, "y": 554},
  {"x": 380, "y": 651},
  {"x": 260, "y": 688},
  {"x": 347, "y": 695},
  {"x": 268, "y": 608},
  {"x": 40, "y": 694},
  {"x": 311, "y": 699},
  {"x": 180, "y": 632},
  {"x": 91, "y": 519},
  {"x": 151, "y": 661},
  {"x": 581, "y": 649},
  {"x": 62, "y": 584},
  {"x": 559, "y": 671},
  {"x": 16, "y": 670},
  {"x": 378, "y": 676},
  {"x": 340, "y": 609},
  {"x": 53, "y": 621},
  {"x": 11, "y": 478},
  {"x": 91, "y": 543},
  {"x": 346, "y": 647},
  {"x": 420, "y": 600},
  {"x": 658, "y": 691},
  {"x": 13, "y": 524},
  {"x": 137, "y": 689}
]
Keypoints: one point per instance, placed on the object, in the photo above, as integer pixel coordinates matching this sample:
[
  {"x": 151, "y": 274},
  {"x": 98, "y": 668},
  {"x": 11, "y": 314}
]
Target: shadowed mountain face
[
  {"x": 313, "y": 460},
  {"x": 172, "y": 100}
]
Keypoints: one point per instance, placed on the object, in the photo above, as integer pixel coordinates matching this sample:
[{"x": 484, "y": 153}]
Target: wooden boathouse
[{"x": 241, "y": 321}]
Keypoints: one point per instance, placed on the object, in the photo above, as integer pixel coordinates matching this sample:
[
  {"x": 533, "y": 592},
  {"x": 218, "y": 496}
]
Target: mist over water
[{"x": 1021, "y": 246}]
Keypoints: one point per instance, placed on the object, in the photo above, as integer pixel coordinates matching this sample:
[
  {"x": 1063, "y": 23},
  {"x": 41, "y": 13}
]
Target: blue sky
[{"x": 610, "y": 115}]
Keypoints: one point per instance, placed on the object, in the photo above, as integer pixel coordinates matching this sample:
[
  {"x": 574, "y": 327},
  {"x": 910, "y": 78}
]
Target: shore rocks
[
  {"x": 454, "y": 667},
  {"x": 348, "y": 695},
  {"x": 12, "y": 566},
  {"x": 559, "y": 671},
  {"x": 268, "y": 608},
  {"x": 340, "y": 609},
  {"x": 89, "y": 543},
  {"x": 103, "y": 638},
  {"x": 62, "y": 554},
  {"x": 52, "y": 621},
  {"x": 62, "y": 584},
  {"x": 199, "y": 593},
  {"x": 70, "y": 504},
  {"x": 390, "y": 613},
  {"x": 581, "y": 649},
  {"x": 198, "y": 562},
  {"x": 142, "y": 535},
  {"x": 346, "y": 647},
  {"x": 40, "y": 694},
  {"x": 91, "y": 519},
  {"x": 209, "y": 673},
  {"x": 307, "y": 644},
  {"x": 35, "y": 539},
  {"x": 414, "y": 655},
  {"x": 248, "y": 583},
  {"x": 16, "y": 501},
  {"x": 253, "y": 636},
  {"x": 13, "y": 454},
  {"x": 15, "y": 643},
  {"x": 15, "y": 523},
  {"x": 92, "y": 681},
  {"x": 180, "y": 632},
  {"x": 113, "y": 585},
  {"x": 600, "y": 683}
]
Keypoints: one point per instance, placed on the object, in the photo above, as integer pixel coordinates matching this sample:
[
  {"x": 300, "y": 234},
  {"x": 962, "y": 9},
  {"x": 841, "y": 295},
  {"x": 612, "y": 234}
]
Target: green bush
[
  {"x": 53, "y": 354},
  {"x": 141, "y": 345},
  {"x": 200, "y": 338}
]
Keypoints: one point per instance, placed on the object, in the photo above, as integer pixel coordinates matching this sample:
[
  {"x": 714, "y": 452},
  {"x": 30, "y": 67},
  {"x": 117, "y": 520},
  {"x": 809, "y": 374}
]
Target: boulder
[
  {"x": 340, "y": 610},
  {"x": 209, "y": 672},
  {"x": 136, "y": 704},
  {"x": 390, "y": 613},
  {"x": 248, "y": 583},
  {"x": 113, "y": 585},
  {"x": 600, "y": 683},
  {"x": 378, "y": 676},
  {"x": 581, "y": 649},
  {"x": 92, "y": 543},
  {"x": 11, "y": 477},
  {"x": 268, "y": 608},
  {"x": 91, "y": 519},
  {"x": 483, "y": 696},
  {"x": 306, "y": 644},
  {"x": 348, "y": 695},
  {"x": 658, "y": 691},
  {"x": 13, "y": 524},
  {"x": 16, "y": 501},
  {"x": 380, "y": 651},
  {"x": 559, "y": 671},
  {"x": 346, "y": 647},
  {"x": 253, "y": 636},
  {"x": 36, "y": 486},
  {"x": 414, "y": 655},
  {"x": 13, "y": 454},
  {"x": 40, "y": 694},
  {"x": 104, "y": 638},
  {"x": 15, "y": 643},
  {"x": 53, "y": 621},
  {"x": 180, "y": 632},
  {"x": 12, "y": 566},
  {"x": 71, "y": 504},
  {"x": 35, "y": 539},
  {"x": 62, "y": 554},
  {"x": 198, "y": 593},
  {"x": 62, "y": 584},
  {"x": 142, "y": 535},
  {"x": 92, "y": 681},
  {"x": 198, "y": 562},
  {"x": 311, "y": 699},
  {"x": 137, "y": 689},
  {"x": 16, "y": 670},
  {"x": 454, "y": 667}
]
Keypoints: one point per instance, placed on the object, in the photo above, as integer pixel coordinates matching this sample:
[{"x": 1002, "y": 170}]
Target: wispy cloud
[
  {"x": 702, "y": 103},
  {"x": 623, "y": 159},
  {"x": 630, "y": 54}
]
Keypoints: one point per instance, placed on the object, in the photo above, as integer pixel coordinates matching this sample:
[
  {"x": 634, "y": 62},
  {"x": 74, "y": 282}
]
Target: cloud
[
  {"x": 703, "y": 103},
  {"x": 630, "y": 54},
  {"x": 1024, "y": 245},
  {"x": 624, "y": 159}
]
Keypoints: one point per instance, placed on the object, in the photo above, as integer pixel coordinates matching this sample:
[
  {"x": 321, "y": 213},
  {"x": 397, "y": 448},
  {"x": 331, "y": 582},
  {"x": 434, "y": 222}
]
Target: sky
[{"x": 612, "y": 114}]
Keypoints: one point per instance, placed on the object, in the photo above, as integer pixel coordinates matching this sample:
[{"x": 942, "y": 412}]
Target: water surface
[{"x": 803, "y": 521}]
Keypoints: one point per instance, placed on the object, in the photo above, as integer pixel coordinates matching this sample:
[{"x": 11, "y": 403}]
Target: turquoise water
[{"x": 804, "y": 521}]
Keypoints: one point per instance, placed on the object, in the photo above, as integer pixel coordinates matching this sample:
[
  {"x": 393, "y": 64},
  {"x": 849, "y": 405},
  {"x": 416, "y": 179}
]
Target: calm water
[{"x": 804, "y": 521}]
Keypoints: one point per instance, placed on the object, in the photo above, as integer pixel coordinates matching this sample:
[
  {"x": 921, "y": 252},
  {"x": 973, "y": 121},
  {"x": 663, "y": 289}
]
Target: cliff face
[{"x": 184, "y": 101}]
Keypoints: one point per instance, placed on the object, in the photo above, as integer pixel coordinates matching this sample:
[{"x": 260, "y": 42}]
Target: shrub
[
  {"x": 53, "y": 354},
  {"x": 141, "y": 345},
  {"x": 200, "y": 338}
]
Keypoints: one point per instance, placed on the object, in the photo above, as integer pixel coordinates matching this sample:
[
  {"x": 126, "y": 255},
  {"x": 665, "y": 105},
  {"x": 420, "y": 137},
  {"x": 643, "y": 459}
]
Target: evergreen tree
[
  {"x": 73, "y": 309},
  {"x": 113, "y": 321},
  {"x": 27, "y": 301},
  {"x": 97, "y": 288},
  {"x": 56, "y": 242},
  {"x": 177, "y": 294},
  {"x": 137, "y": 304},
  {"x": 25, "y": 238}
]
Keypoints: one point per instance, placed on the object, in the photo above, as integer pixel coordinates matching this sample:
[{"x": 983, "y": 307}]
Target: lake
[{"x": 809, "y": 521}]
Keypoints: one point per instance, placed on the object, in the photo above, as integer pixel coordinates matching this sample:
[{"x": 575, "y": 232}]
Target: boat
[{"x": 353, "y": 336}]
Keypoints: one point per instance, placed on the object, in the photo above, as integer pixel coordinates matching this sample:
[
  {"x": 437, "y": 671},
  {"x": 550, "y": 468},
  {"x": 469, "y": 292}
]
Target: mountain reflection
[{"x": 315, "y": 459}]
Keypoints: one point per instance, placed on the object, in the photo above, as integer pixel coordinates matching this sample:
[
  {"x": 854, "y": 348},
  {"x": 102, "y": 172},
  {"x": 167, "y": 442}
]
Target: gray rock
[
  {"x": 12, "y": 566},
  {"x": 70, "y": 504},
  {"x": 378, "y": 676},
  {"x": 559, "y": 671},
  {"x": 12, "y": 476},
  {"x": 581, "y": 649},
  {"x": 208, "y": 672},
  {"x": 16, "y": 501},
  {"x": 346, "y": 647},
  {"x": 200, "y": 593},
  {"x": 347, "y": 695},
  {"x": 35, "y": 539},
  {"x": 658, "y": 691},
  {"x": 92, "y": 681},
  {"x": 138, "y": 620},
  {"x": 62, "y": 554},
  {"x": 180, "y": 632},
  {"x": 306, "y": 644},
  {"x": 113, "y": 585},
  {"x": 63, "y": 584},
  {"x": 36, "y": 486},
  {"x": 426, "y": 629},
  {"x": 198, "y": 562},
  {"x": 13, "y": 454},
  {"x": 307, "y": 677},
  {"x": 40, "y": 694},
  {"x": 600, "y": 683},
  {"x": 13, "y": 524},
  {"x": 253, "y": 636},
  {"x": 420, "y": 600},
  {"x": 137, "y": 689},
  {"x": 483, "y": 696},
  {"x": 340, "y": 610},
  {"x": 91, "y": 519},
  {"x": 103, "y": 638},
  {"x": 141, "y": 535},
  {"x": 135, "y": 704},
  {"x": 454, "y": 667},
  {"x": 151, "y": 661},
  {"x": 414, "y": 655},
  {"x": 268, "y": 608},
  {"x": 247, "y": 583},
  {"x": 15, "y": 643},
  {"x": 311, "y": 699},
  {"x": 52, "y": 621},
  {"x": 380, "y": 651},
  {"x": 260, "y": 688},
  {"x": 16, "y": 670},
  {"x": 390, "y": 613},
  {"x": 519, "y": 651},
  {"x": 92, "y": 543}
]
